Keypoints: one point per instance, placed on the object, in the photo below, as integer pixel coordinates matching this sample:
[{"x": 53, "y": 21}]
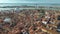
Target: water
[{"x": 26, "y": 4}]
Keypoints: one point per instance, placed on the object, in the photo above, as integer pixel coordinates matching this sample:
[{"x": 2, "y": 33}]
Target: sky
[{"x": 29, "y": 1}]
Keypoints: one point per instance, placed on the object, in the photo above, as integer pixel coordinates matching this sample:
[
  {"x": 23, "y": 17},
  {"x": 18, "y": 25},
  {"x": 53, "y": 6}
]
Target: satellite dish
[{"x": 7, "y": 19}]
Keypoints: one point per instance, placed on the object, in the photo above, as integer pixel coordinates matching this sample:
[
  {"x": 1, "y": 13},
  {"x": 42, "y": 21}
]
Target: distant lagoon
[{"x": 26, "y": 4}]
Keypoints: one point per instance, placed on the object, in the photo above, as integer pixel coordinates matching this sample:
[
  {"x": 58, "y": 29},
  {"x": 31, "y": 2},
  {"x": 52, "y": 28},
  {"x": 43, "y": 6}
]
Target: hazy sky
[{"x": 29, "y": 1}]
